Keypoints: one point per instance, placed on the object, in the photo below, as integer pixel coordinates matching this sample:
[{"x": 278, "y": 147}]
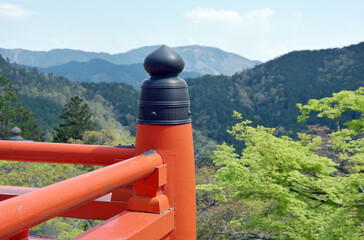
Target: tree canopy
[
  {"x": 13, "y": 114},
  {"x": 290, "y": 189}
]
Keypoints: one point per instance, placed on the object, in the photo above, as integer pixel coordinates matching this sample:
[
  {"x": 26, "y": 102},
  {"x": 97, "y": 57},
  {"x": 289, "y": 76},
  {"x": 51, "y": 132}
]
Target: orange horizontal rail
[
  {"x": 99, "y": 209},
  {"x": 63, "y": 153},
  {"x": 132, "y": 226},
  {"x": 23, "y": 212}
]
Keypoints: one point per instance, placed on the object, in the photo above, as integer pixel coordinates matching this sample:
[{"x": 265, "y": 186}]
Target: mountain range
[
  {"x": 198, "y": 59},
  {"x": 99, "y": 70},
  {"x": 266, "y": 94}
]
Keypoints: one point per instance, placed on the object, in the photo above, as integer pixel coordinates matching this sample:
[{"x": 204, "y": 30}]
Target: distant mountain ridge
[
  {"x": 99, "y": 70},
  {"x": 199, "y": 59}
]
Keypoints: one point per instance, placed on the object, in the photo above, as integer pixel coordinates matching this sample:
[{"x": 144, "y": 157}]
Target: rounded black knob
[
  {"x": 164, "y": 62},
  {"x": 163, "y": 98}
]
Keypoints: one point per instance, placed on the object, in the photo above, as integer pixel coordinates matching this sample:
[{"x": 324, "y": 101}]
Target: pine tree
[
  {"x": 76, "y": 119},
  {"x": 13, "y": 114}
]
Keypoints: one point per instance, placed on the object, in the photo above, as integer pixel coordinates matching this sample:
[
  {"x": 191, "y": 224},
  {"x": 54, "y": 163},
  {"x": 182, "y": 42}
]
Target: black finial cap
[
  {"x": 164, "y": 62},
  {"x": 163, "y": 98}
]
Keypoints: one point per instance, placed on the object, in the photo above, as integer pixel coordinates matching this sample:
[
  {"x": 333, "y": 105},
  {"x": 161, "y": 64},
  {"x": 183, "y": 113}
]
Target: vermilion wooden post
[{"x": 164, "y": 125}]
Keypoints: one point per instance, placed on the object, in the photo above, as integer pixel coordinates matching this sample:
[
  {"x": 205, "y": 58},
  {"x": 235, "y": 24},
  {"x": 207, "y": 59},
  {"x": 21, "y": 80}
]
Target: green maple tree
[{"x": 282, "y": 189}]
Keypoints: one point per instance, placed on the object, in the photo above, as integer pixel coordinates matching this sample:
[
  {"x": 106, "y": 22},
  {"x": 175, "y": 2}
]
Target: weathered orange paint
[
  {"x": 23, "y": 212},
  {"x": 63, "y": 153},
  {"x": 175, "y": 145},
  {"x": 132, "y": 226}
]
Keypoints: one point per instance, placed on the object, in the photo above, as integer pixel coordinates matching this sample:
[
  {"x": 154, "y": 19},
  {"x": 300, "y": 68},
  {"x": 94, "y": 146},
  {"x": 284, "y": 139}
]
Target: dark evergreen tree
[
  {"x": 26, "y": 121},
  {"x": 76, "y": 119},
  {"x": 7, "y": 112},
  {"x": 13, "y": 114}
]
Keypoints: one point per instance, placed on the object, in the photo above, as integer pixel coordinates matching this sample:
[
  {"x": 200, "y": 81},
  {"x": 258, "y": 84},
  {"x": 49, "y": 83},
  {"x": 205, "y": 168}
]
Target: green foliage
[
  {"x": 28, "y": 124},
  {"x": 285, "y": 190},
  {"x": 100, "y": 71},
  {"x": 123, "y": 98},
  {"x": 45, "y": 94},
  {"x": 60, "y": 228},
  {"x": 334, "y": 107},
  {"x": 109, "y": 137},
  {"x": 268, "y": 93},
  {"x": 347, "y": 144},
  {"x": 46, "y": 110},
  {"x": 34, "y": 174},
  {"x": 203, "y": 147},
  {"x": 13, "y": 114},
  {"x": 7, "y": 110},
  {"x": 76, "y": 119}
]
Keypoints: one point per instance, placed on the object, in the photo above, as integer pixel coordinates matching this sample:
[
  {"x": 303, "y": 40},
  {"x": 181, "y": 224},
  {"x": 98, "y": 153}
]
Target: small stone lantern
[{"x": 15, "y": 132}]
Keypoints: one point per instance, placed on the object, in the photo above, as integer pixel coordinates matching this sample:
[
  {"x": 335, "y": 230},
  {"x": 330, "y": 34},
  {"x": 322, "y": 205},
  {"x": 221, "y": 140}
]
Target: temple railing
[
  {"x": 146, "y": 192},
  {"x": 20, "y": 213}
]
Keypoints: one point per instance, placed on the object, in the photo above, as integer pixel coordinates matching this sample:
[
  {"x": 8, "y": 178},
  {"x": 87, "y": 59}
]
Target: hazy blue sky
[{"x": 257, "y": 29}]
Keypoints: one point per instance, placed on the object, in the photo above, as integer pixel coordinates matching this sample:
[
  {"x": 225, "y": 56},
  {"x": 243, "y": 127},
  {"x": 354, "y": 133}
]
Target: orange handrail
[
  {"x": 23, "y": 212},
  {"x": 63, "y": 153},
  {"x": 160, "y": 202}
]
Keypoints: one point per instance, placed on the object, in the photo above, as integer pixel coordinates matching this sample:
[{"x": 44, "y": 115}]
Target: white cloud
[
  {"x": 11, "y": 11},
  {"x": 257, "y": 16},
  {"x": 210, "y": 14}
]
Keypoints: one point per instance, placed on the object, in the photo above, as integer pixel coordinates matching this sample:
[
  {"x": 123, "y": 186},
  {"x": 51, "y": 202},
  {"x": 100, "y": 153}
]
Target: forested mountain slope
[
  {"x": 98, "y": 70},
  {"x": 268, "y": 93},
  {"x": 45, "y": 94}
]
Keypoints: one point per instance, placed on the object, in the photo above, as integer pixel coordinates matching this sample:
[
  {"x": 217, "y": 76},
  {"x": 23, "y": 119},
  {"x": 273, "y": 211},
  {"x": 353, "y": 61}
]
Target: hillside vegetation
[
  {"x": 268, "y": 93},
  {"x": 98, "y": 70},
  {"x": 45, "y": 94},
  {"x": 306, "y": 186}
]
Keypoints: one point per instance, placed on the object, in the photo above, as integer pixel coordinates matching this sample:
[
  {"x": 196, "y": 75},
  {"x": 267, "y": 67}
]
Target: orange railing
[
  {"x": 20, "y": 213},
  {"x": 63, "y": 153},
  {"x": 146, "y": 192}
]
